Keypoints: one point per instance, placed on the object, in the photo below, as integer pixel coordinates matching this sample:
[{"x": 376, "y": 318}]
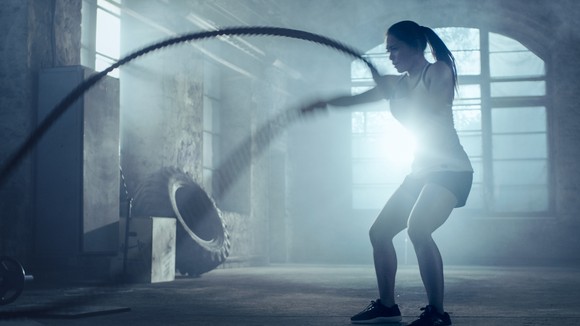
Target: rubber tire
[{"x": 202, "y": 241}]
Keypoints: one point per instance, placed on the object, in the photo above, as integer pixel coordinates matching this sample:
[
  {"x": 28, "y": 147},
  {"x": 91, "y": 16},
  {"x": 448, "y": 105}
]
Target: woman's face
[{"x": 401, "y": 54}]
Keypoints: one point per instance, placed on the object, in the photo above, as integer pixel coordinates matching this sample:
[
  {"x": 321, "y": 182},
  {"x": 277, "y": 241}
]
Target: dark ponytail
[
  {"x": 440, "y": 51},
  {"x": 418, "y": 36}
]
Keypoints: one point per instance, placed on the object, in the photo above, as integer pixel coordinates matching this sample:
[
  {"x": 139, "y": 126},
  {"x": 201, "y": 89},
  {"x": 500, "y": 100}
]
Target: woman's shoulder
[
  {"x": 438, "y": 71},
  {"x": 439, "y": 68}
]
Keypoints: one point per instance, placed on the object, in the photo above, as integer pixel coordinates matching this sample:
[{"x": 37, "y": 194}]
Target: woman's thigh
[
  {"x": 431, "y": 210},
  {"x": 394, "y": 216}
]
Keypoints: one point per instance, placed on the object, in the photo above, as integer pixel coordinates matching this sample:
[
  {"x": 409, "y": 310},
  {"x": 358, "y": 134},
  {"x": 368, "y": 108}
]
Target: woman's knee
[
  {"x": 382, "y": 234},
  {"x": 419, "y": 234},
  {"x": 375, "y": 236}
]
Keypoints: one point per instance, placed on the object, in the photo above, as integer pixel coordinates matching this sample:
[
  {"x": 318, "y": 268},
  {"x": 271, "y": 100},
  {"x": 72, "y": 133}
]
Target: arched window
[{"x": 500, "y": 115}]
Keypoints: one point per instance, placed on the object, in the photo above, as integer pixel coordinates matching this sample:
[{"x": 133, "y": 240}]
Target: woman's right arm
[
  {"x": 382, "y": 90},
  {"x": 372, "y": 95}
]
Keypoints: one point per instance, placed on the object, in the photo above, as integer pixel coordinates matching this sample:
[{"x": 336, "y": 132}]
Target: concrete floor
[{"x": 306, "y": 295}]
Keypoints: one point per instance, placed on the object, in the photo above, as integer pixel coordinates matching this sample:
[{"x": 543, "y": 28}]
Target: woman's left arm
[{"x": 439, "y": 80}]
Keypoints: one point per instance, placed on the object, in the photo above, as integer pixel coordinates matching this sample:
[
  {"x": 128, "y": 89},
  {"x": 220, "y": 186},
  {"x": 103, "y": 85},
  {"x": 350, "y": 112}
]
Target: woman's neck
[{"x": 417, "y": 68}]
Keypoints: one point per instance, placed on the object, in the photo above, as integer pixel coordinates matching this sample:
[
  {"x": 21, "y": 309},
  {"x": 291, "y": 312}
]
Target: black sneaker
[
  {"x": 430, "y": 317},
  {"x": 376, "y": 313}
]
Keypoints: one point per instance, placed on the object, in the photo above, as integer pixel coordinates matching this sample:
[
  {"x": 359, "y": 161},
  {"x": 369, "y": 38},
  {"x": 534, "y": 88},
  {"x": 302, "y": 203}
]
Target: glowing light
[{"x": 399, "y": 144}]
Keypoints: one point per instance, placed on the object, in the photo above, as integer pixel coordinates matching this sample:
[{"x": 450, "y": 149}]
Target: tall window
[
  {"x": 211, "y": 123},
  {"x": 101, "y": 32},
  {"x": 500, "y": 116}
]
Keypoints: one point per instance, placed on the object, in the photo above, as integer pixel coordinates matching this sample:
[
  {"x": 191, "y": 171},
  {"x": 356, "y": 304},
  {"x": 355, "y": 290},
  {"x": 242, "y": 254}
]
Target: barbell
[{"x": 12, "y": 279}]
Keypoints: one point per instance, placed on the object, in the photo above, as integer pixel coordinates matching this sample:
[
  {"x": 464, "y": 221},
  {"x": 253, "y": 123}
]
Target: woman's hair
[{"x": 418, "y": 36}]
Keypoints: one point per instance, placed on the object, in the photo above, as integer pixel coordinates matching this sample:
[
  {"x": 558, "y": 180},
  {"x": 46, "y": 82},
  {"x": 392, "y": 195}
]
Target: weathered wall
[{"x": 36, "y": 34}]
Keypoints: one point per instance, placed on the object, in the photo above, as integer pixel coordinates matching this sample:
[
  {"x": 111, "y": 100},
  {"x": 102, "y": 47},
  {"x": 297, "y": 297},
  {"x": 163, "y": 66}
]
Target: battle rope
[
  {"x": 231, "y": 166},
  {"x": 83, "y": 87}
]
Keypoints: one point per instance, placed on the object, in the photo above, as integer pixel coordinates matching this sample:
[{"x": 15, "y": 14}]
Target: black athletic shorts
[{"x": 459, "y": 183}]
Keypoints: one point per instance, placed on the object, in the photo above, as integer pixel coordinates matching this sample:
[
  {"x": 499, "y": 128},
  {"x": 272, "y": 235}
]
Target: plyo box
[{"x": 151, "y": 251}]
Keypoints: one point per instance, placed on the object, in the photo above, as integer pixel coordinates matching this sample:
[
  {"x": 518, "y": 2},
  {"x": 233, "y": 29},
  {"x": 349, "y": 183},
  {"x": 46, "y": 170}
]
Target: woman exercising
[{"x": 441, "y": 175}]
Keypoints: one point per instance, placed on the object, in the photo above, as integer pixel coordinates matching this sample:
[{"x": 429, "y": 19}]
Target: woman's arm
[
  {"x": 439, "y": 80},
  {"x": 372, "y": 95},
  {"x": 382, "y": 90}
]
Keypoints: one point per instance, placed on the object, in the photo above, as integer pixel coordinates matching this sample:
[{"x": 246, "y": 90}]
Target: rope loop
[{"x": 88, "y": 83}]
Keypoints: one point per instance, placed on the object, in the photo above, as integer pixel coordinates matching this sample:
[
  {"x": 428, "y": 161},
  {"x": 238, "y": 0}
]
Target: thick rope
[{"x": 13, "y": 161}]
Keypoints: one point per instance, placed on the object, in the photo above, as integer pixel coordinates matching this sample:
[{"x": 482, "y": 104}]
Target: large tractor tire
[{"x": 202, "y": 241}]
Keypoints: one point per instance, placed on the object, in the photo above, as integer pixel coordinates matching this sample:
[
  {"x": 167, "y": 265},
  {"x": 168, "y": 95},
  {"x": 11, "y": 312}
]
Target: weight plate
[{"x": 12, "y": 278}]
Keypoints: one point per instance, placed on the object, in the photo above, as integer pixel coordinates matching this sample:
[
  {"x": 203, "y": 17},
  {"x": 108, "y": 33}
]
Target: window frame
[{"x": 89, "y": 51}]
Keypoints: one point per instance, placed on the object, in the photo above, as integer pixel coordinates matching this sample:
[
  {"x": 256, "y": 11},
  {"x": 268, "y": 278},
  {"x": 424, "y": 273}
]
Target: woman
[{"x": 441, "y": 176}]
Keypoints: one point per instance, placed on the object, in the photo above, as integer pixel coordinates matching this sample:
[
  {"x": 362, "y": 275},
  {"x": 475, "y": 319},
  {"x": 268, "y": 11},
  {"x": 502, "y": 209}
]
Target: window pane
[
  {"x": 376, "y": 172},
  {"x": 211, "y": 80},
  {"x": 475, "y": 200},
  {"x": 509, "y": 58},
  {"x": 467, "y": 120},
  {"x": 500, "y": 43},
  {"x": 464, "y": 44},
  {"x": 108, "y": 34},
  {"x": 367, "y": 146},
  {"x": 459, "y": 38},
  {"x": 360, "y": 70},
  {"x": 378, "y": 121},
  {"x": 520, "y": 172},
  {"x": 468, "y": 91},
  {"x": 520, "y": 64},
  {"x": 371, "y": 197},
  {"x": 519, "y": 146},
  {"x": 477, "y": 170},
  {"x": 382, "y": 63},
  {"x": 521, "y": 199},
  {"x": 358, "y": 122},
  {"x": 359, "y": 89},
  {"x": 208, "y": 180},
  {"x": 102, "y": 63},
  {"x": 108, "y": 5},
  {"x": 468, "y": 62},
  {"x": 472, "y": 143},
  {"x": 467, "y": 108},
  {"x": 523, "y": 119},
  {"x": 216, "y": 116},
  {"x": 520, "y": 186},
  {"x": 522, "y": 88},
  {"x": 207, "y": 114},
  {"x": 378, "y": 56},
  {"x": 207, "y": 150},
  {"x": 215, "y": 157}
]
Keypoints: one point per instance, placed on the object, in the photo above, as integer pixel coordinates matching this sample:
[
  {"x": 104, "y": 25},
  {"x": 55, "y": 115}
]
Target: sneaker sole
[{"x": 378, "y": 320}]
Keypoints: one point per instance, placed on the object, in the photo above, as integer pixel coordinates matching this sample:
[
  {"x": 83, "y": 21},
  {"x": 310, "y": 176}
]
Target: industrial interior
[{"x": 183, "y": 187}]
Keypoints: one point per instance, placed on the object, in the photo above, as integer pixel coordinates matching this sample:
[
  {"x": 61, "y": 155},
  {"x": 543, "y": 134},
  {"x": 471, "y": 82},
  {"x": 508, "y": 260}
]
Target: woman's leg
[
  {"x": 391, "y": 220},
  {"x": 431, "y": 210}
]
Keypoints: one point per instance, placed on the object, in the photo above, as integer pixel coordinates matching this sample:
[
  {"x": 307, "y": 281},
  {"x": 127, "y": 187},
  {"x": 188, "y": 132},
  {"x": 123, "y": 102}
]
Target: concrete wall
[{"x": 36, "y": 34}]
